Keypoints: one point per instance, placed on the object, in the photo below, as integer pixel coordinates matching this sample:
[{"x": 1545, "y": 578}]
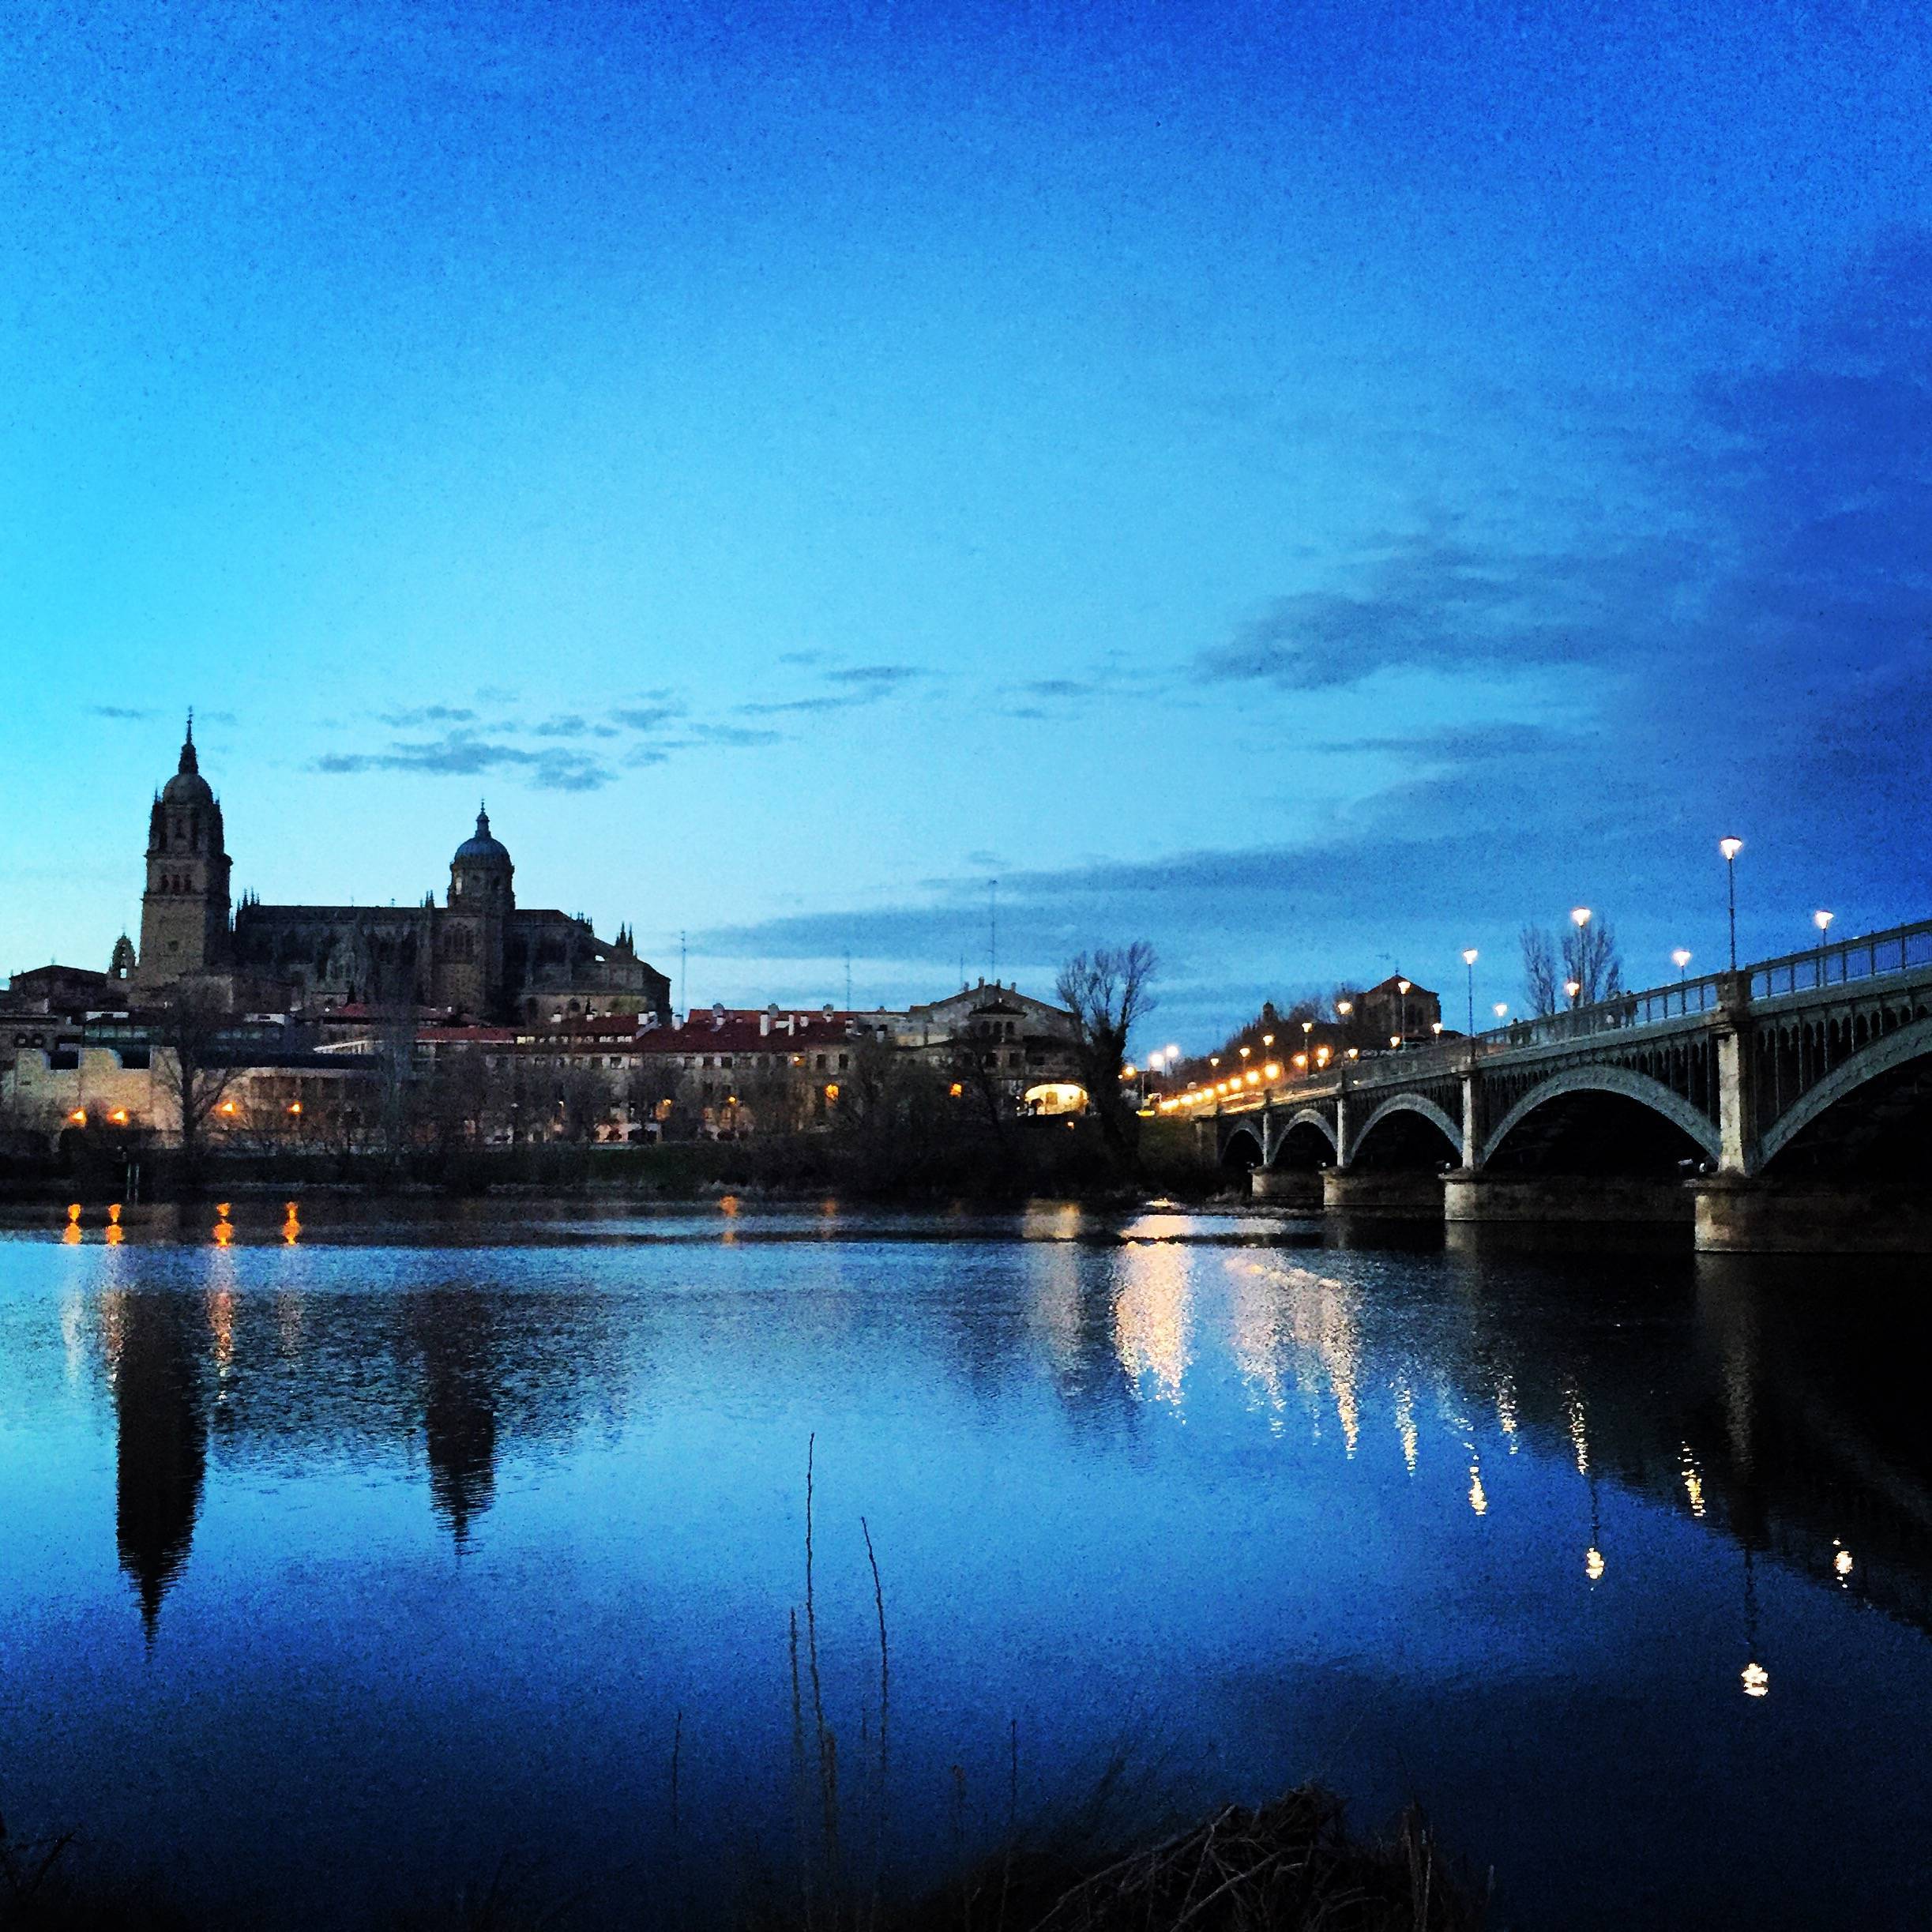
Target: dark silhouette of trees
[
  {"x": 197, "y": 1067},
  {"x": 1588, "y": 955},
  {"x": 1109, "y": 992}
]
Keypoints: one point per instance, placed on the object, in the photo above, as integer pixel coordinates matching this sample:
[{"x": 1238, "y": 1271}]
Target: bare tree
[
  {"x": 769, "y": 1095},
  {"x": 1591, "y": 958},
  {"x": 1109, "y": 992},
  {"x": 1539, "y": 971},
  {"x": 457, "y": 1101},
  {"x": 582, "y": 1100},
  {"x": 197, "y": 1067},
  {"x": 647, "y": 1087},
  {"x": 1586, "y": 957},
  {"x": 972, "y": 1066}
]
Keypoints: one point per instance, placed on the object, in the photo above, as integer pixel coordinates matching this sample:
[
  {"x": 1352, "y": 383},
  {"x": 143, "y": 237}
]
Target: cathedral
[{"x": 480, "y": 956}]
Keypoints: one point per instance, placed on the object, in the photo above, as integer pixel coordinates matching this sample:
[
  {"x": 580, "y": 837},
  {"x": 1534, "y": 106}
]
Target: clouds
[
  {"x": 585, "y": 751},
  {"x": 1728, "y": 627},
  {"x": 465, "y": 753},
  {"x": 852, "y": 687}
]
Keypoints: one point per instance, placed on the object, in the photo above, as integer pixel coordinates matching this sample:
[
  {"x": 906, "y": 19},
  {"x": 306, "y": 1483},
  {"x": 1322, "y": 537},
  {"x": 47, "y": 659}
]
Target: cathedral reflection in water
[{"x": 1769, "y": 1403}]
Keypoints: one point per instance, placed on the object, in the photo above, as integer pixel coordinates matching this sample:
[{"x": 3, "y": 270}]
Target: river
[{"x": 346, "y": 1562}]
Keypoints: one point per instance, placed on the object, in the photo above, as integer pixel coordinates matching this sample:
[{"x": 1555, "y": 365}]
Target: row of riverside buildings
[{"x": 501, "y": 1022}]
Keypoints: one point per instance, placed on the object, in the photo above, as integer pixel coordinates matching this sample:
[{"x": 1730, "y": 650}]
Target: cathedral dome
[
  {"x": 188, "y": 787},
  {"x": 481, "y": 848}
]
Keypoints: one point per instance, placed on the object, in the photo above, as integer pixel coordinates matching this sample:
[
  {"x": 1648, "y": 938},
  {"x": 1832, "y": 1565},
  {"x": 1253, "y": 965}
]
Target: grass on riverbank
[{"x": 1289, "y": 1866}]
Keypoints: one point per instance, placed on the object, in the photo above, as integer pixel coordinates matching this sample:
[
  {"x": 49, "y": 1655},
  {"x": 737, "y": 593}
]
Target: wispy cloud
[
  {"x": 875, "y": 677},
  {"x": 427, "y": 714},
  {"x": 461, "y": 754}
]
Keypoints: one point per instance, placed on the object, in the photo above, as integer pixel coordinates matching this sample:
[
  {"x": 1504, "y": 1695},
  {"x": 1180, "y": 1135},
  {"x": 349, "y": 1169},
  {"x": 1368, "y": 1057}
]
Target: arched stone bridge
[{"x": 1762, "y": 1096}]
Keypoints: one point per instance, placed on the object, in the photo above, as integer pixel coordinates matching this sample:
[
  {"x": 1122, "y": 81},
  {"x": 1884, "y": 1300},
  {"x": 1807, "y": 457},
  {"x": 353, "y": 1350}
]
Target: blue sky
[{"x": 1315, "y": 487}]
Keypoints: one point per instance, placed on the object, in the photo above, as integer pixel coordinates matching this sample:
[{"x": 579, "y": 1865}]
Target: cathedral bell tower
[
  {"x": 184, "y": 911},
  {"x": 473, "y": 939}
]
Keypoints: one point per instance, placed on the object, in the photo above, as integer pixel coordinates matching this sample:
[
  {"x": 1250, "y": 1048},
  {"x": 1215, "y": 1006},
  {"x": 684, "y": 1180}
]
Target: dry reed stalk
[
  {"x": 828, "y": 1762},
  {"x": 797, "y": 1776},
  {"x": 885, "y": 1759}
]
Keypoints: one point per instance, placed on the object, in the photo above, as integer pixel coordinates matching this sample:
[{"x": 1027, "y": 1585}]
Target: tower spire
[{"x": 188, "y": 762}]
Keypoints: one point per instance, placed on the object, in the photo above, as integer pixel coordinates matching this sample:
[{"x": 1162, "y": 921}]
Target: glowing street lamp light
[
  {"x": 1822, "y": 920},
  {"x": 1680, "y": 959},
  {"x": 1730, "y": 848},
  {"x": 1573, "y": 987},
  {"x": 1501, "y": 1008},
  {"x": 1469, "y": 958},
  {"x": 1580, "y": 918}
]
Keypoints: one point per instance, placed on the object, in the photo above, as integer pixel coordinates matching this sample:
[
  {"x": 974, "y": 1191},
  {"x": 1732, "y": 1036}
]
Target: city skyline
[{"x": 1316, "y": 496}]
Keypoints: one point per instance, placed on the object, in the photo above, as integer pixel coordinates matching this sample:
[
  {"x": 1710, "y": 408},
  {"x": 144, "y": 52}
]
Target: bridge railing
[{"x": 1844, "y": 961}]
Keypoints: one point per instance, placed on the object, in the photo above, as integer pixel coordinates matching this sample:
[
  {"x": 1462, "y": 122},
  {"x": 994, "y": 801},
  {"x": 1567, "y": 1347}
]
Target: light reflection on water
[{"x": 1586, "y": 1553}]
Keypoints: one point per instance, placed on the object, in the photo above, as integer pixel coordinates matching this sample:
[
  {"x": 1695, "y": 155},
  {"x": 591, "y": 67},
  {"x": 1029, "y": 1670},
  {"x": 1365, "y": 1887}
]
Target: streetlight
[
  {"x": 1680, "y": 959},
  {"x": 1730, "y": 848},
  {"x": 1402, "y": 987},
  {"x": 1580, "y": 918},
  {"x": 1469, "y": 959},
  {"x": 1308, "y": 1046},
  {"x": 1822, "y": 920},
  {"x": 1501, "y": 1008},
  {"x": 1573, "y": 987}
]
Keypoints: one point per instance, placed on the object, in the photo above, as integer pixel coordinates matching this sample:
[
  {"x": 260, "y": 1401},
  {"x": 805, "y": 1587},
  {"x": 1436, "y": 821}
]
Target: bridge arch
[
  {"x": 1416, "y": 1104},
  {"x": 1304, "y": 1121},
  {"x": 1886, "y": 1053},
  {"x": 1612, "y": 1079},
  {"x": 1242, "y": 1149}
]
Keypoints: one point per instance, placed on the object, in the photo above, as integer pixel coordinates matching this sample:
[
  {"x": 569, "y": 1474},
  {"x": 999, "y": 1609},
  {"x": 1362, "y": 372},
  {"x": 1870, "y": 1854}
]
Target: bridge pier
[
  {"x": 1737, "y": 1215},
  {"x": 1291, "y": 1187},
  {"x": 1476, "y": 1196},
  {"x": 1393, "y": 1195}
]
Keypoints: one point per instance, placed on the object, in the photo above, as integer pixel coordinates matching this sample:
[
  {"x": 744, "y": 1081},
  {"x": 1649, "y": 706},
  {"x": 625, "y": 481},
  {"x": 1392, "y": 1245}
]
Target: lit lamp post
[
  {"x": 1730, "y": 848},
  {"x": 1501, "y": 1009},
  {"x": 1822, "y": 920},
  {"x": 1680, "y": 959},
  {"x": 1580, "y": 918},
  {"x": 1469, "y": 960},
  {"x": 1308, "y": 1046},
  {"x": 1402, "y": 987},
  {"x": 1573, "y": 987}
]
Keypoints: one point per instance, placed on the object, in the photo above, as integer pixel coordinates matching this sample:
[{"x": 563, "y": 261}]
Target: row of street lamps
[{"x": 1167, "y": 1059}]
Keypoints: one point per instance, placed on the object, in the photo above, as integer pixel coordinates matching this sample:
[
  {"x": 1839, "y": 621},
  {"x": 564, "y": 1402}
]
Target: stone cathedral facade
[{"x": 479, "y": 955}]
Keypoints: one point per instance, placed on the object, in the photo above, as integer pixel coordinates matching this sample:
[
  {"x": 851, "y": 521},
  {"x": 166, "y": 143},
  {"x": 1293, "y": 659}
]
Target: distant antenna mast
[
  {"x": 684, "y": 981},
  {"x": 992, "y": 929}
]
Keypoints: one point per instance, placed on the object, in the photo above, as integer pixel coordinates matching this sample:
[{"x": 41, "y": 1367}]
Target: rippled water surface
[{"x": 339, "y": 1566}]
